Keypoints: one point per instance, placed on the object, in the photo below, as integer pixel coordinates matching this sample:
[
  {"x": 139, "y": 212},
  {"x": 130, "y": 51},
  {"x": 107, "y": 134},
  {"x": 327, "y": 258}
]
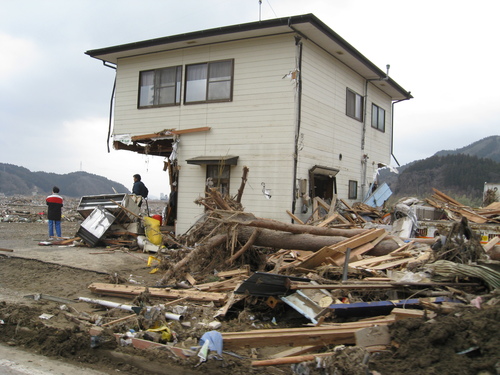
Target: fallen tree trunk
[
  {"x": 290, "y": 241},
  {"x": 247, "y": 219}
]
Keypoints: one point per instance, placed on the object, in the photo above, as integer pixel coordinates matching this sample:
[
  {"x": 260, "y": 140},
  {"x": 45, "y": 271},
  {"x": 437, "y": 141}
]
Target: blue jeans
[{"x": 54, "y": 224}]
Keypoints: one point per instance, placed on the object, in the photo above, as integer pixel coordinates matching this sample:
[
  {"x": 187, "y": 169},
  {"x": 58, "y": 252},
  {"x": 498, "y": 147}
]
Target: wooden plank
[
  {"x": 368, "y": 261},
  {"x": 338, "y": 250},
  {"x": 192, "y": 130},
  {"x": 166, "y": 133},
  {"x": 133, "y": 290},
  {"x": 221, "y": 286},
  {"x": 323, "y": 204},
  {"x": 298, "y": 350},
  {"x": 387, "y": 265},
  {"x": 190, "y": 278},
  {"x": 328, "y": 220},
  {"x": 343, "y": 333},
  {"x": 404, "y": 247},
  {"x": 407, "y": 313},
  {"x": 491, "y": 243},
  {"x": 355, "y": 254},
  {"x": 444, "y": 197},
  {"x": 315, "y": 214},
  {"x": 295, "y": 218},
  {"x": 289, "y": 360},
  {"x": 245, "y": 271}
]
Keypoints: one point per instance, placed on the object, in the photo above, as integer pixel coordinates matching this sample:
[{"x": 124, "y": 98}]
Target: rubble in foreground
[{"x": 351, "y": 296}]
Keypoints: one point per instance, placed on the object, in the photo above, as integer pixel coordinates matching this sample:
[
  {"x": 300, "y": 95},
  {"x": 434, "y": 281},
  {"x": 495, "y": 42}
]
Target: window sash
[
  {"x": 378, "y": 118},
  {"x": 160, "y": 87},
  {"x": 353, "y": 189},
  {"x": 354, "y": 105},
  {"x": 209, "y": 82}
]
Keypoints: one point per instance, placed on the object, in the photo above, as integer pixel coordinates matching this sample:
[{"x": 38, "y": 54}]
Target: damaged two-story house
[{"x": 288, "y": 98}]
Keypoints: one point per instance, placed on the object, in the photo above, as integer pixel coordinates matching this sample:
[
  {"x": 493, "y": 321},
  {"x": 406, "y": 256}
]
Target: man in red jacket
[{"x": 55, "y": 205}]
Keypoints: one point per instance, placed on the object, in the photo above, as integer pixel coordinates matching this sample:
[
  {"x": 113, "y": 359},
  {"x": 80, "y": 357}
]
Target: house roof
[{"x": 307, "y": 25}]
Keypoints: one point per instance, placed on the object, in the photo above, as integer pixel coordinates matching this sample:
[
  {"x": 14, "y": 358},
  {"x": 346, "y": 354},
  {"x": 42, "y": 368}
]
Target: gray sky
[{"x": 54, "y": 99}]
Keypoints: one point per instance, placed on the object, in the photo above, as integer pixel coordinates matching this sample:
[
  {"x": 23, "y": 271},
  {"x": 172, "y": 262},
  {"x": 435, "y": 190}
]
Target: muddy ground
[{"x": 466, "y": 341}]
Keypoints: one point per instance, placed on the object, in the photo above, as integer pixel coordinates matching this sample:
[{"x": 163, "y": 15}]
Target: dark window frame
[
  {"x": 158, "y": 86},
  {"x": 210, "y": 82},
  {"x": 220, "y": 177},
  {"x": 353, "y": 101},
  {"x": 353, "y": 189},
  {"x": 378, "y": 122}
]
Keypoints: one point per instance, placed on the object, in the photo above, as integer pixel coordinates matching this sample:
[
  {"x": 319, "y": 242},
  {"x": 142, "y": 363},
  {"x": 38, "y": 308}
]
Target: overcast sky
[{"x": 54, "y": 99}]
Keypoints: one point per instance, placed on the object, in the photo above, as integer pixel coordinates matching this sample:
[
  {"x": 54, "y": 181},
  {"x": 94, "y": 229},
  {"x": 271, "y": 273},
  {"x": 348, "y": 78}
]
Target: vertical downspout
[
  {"x": 110, "y": 105},
  {"x": 364, "y": 160},
  {"x": 298, "y": 44},
  {"x": 392, "y": 129}
]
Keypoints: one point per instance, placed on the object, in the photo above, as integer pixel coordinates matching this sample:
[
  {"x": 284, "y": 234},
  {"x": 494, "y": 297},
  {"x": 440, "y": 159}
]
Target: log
[
  {"x": 309, "y": 242},
  {"x": 250, "y": 220}
]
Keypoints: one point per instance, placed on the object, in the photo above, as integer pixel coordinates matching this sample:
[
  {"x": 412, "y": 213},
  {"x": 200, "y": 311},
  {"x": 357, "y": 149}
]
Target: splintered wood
[
  {"x": 456, "y": 209},
  {"x": 335, "y": 254}
]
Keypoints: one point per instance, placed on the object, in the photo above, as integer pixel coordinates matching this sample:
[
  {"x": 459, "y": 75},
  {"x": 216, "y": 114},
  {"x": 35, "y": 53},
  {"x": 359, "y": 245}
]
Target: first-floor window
[
  {"x": 353, "y": 189},
  {"x": 218, "y": 178},
  {"x": 378, "y": 118},
  {"x": 354, "y": 105},
  {"x": 209, "y": 82},
  {"x": 160, "y": 87}
]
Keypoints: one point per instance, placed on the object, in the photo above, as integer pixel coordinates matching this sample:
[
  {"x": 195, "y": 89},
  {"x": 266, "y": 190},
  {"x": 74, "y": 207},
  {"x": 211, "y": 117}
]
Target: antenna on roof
[{"x": 260, "y": 10}]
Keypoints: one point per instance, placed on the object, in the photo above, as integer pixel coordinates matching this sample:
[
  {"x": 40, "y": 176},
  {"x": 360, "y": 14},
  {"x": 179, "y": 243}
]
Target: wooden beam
[
  {"x": 343, "y": 333},
  {"x": 192, "y": 130},
  {"x": 338, "y": 250},
  {"x": 132, "y": 290},
  {"x": 295, "y": 218}
]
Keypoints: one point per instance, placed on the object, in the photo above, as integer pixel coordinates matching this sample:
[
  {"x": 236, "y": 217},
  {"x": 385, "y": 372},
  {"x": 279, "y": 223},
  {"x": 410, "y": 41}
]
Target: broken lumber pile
[{"x": 455, "y": 210}]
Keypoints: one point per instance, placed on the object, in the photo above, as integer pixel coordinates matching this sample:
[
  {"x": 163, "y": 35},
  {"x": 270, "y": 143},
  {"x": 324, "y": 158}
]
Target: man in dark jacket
[
  {"x": 54, "y": 212},
  {"x": 139, "y": 188}
]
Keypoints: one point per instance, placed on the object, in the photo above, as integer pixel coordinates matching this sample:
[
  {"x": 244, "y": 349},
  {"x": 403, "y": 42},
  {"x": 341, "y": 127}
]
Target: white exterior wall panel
[
  {"x": 328, "y": 132},
  {"x": 258, "y": 125}
]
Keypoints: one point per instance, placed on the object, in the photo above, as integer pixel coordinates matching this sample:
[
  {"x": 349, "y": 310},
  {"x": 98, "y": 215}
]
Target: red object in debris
[{"x": 157, "y": 217}]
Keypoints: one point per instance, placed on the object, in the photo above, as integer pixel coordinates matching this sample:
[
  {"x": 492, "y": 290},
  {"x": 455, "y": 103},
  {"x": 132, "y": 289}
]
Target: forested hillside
[
  {"x": 461, "y": 176},
  {"x": 19, "y": 180}
]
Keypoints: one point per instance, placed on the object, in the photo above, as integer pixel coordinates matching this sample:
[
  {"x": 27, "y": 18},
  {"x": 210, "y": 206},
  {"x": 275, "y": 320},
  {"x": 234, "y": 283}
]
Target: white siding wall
[
  {"x": 258, "y": 125},
  {"x": 327, "y": 131}
]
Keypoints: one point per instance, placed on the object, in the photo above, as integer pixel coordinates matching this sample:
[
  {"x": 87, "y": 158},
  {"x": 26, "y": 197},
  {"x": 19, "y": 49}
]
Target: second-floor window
[
  {"x": 354, "y": 105},
  {"x": 378, "y": 118},
  {"x": 160, "y": 87},
  {"x": 209, "y": 82}
]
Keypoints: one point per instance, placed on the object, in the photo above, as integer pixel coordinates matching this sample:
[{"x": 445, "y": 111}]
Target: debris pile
[
  {"x": 20, "y": 209},
  {"x": 312, "y": 294},
  {"x": 303, "y": 289}
]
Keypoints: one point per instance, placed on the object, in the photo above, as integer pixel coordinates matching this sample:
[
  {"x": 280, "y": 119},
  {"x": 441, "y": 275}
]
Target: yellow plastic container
[{"x": 153, "y": 233}]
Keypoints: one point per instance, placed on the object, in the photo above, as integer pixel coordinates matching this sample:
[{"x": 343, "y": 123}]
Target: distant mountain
[
  {"x": 460, "y": 176},
  {"x": 488, "y": 148},
  {"x": 459, "y": 173},
  {"x": 16, "y": 180}
]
